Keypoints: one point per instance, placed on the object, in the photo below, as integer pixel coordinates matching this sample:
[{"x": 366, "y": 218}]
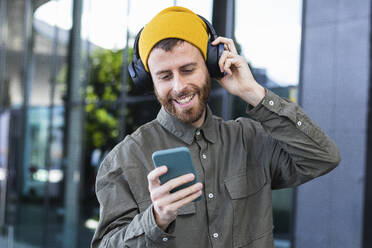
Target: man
[{"x": 238, "y": 162}]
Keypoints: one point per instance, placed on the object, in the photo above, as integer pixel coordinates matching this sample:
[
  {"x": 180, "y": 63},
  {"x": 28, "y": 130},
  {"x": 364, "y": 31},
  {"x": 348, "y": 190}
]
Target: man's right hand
[{"x": 165, "y": 203}]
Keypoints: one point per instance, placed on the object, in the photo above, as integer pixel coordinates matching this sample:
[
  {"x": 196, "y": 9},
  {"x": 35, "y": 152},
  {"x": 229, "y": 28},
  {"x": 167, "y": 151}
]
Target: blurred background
[{"x": 66, "y": 99}]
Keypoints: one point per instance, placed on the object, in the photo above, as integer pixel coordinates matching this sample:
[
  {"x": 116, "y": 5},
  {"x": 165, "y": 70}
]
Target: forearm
[
  {"x": 302, "y": 150},
  {"x": 252, "y": 93},
  {"x": 141, "y": 231},
  {"x": 123, "y": 222}
]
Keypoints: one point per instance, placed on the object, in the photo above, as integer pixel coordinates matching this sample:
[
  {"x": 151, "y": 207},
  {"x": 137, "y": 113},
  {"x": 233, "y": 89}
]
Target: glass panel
[
  {"x": 203, "y": 8},
  {"x": 136, "y": 21},
  {"x": 268, "y": 33},
  {"x": 34, "y": 201}
]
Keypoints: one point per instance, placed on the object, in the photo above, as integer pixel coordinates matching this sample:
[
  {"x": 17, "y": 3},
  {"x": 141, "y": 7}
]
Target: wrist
[
  {"x": 161, "y": 223},
  {"x": 253, "y": 95},
  {"x": 163, "y": 226}
]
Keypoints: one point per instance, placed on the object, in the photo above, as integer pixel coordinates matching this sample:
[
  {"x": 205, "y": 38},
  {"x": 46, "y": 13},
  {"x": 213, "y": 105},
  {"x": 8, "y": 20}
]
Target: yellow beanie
[{"x": 173, "y": 22}]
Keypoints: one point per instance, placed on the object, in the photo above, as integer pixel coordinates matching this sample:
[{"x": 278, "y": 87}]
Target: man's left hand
[{"x": 238, "y": 80}]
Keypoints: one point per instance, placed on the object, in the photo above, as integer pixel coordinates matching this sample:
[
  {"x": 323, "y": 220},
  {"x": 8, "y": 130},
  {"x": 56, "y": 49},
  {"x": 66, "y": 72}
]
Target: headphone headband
[
  {"x": 211, "y": 30},
  {"x": 136, "y": 45}
]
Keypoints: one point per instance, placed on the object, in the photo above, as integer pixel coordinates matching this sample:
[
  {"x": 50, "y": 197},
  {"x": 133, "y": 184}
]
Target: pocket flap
[
  {"x": 187, "y": 209},
  {"x": 244, "y": 185}
]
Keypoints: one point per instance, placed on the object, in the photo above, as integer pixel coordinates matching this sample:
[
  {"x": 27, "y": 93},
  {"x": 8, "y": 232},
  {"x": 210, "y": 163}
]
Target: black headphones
[{"x": 142, "y": 79}]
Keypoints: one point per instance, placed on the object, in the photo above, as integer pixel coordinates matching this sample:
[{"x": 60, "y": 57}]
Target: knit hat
[{"x": 173, "y": 22}]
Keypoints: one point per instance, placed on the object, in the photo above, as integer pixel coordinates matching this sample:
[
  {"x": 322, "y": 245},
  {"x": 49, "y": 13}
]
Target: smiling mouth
[{"x": 185, "y": 99}]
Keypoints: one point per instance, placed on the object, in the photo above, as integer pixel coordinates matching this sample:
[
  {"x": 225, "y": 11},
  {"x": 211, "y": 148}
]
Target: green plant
[{"x": 102, "y": 95}]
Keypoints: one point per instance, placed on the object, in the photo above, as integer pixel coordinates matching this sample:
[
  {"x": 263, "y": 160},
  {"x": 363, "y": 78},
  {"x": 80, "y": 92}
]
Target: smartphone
[{"x": 179, "y": 162}]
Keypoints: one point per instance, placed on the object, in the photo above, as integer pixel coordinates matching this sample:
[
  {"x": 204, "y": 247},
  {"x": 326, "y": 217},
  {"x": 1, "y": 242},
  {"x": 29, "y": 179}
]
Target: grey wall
[{"x": 335, "y": 82}]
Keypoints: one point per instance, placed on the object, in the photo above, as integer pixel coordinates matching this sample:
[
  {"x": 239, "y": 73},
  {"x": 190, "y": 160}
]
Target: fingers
[
  {"x": 227, "y": 66},
  {"x": 171, "y": 184},
  {"x": 178, "y": 199},
  {"x": 169, "y": 204},
  {"x": 229, "y": 60},
  {"x": 166, "y": 213},
  {"x": 182, "y": 194},
  {"x": 165, "y": 203},
  {"x": 153, "y": 176},
  {"x": 185, "y": 200},
  {"x": 221, "y": 63},
  {"x": 228, "y": 44}
]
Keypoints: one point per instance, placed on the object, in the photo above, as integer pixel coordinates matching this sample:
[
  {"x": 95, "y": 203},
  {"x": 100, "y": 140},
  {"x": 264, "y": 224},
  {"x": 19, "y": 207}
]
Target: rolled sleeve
[
  {"x": 154, "y": 232},
  {"x": 122, "y": 224},
  {"x": 302, "y": 151}
]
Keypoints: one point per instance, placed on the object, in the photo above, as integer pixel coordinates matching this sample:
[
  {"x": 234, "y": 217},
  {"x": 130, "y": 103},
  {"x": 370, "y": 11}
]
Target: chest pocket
[
  {"x": 252, "y": 209},
  {"x": 241, "y": 186}
]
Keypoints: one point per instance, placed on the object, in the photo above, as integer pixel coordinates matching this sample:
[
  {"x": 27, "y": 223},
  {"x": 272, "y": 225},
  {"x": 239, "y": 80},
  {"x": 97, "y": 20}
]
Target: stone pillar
[{"x": 334, "y": 88}]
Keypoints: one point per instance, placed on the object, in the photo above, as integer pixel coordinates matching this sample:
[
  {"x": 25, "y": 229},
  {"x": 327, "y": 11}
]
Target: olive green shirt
[{"x": 239, "y": 163}]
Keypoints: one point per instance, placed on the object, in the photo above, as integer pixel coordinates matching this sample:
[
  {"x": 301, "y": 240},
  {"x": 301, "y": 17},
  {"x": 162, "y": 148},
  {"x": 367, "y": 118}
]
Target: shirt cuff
[
  {"x": 153, "y": 231},
  {"x": 269, "y": 104}
]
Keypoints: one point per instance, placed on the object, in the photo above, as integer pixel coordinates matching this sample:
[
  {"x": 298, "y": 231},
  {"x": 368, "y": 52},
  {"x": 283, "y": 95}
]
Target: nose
[{"x": 179, "y": 83}]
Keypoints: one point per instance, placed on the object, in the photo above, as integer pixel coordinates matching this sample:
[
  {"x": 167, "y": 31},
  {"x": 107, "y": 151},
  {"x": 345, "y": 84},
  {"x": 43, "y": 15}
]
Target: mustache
[{"x": 192, "y": 89}]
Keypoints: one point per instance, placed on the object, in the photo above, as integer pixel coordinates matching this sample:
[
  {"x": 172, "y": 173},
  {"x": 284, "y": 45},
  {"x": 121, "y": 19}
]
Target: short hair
[{"x": 168, "y": 44}]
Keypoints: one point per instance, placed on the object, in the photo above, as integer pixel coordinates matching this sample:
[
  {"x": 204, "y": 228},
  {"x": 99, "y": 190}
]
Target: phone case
[{"x": 179, "y": 162}]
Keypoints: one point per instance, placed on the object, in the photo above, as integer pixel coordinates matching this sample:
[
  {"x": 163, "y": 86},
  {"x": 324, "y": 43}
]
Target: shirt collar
[{"x": 186, "y": 132}]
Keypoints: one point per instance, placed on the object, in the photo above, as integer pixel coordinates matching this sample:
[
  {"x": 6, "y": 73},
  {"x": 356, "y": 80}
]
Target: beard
[{"x": 194, "y": 113}]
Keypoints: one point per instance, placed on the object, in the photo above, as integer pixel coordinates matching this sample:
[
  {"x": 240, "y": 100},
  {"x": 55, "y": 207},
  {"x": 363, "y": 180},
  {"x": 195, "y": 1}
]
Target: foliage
[{"x": 102, "y": 94}]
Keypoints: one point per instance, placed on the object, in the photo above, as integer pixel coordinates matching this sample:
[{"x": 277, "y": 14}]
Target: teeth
[{"x": 185, "y": 100}]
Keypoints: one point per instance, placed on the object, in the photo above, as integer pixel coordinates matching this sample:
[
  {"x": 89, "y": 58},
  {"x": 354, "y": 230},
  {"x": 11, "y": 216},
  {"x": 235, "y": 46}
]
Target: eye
[
  {"x": 164, "y": 77},
  {"x": 188, "y": 70}
]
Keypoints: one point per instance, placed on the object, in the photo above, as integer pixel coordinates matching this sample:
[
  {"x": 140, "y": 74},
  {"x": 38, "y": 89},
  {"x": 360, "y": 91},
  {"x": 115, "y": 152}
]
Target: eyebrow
[
  {"x": 187, "y": 65},
  {"x": 182, "y": 67}
]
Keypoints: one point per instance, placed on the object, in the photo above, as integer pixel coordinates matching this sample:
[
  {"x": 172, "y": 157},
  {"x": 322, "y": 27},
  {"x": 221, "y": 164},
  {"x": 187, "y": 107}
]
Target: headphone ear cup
[
  {"x": 141, "y": 78},
  {"x": 214, "y": 54}
]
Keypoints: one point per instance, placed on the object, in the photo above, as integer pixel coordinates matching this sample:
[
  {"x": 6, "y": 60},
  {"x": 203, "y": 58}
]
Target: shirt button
[
  {"x": 210, "y": 195},
  {"x": 215, "y": 235},
  {"x": 271, "y": 103},
  {"x": 204, "y": 156},
  {"x": 165, "y": 239},
  {"x": 198, "y": 132},
  {"x": 299, "y": 123}
]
